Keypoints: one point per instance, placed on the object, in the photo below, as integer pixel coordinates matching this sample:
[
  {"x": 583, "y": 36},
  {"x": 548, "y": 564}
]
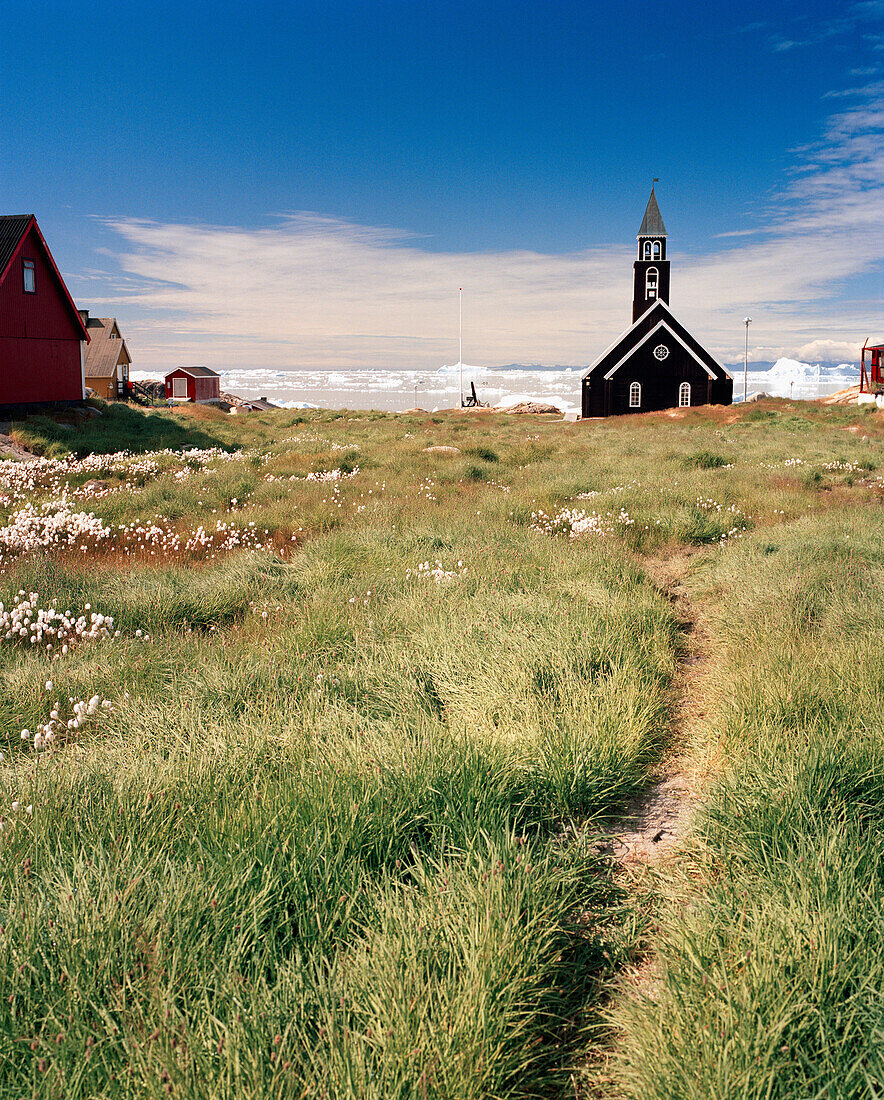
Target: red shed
[
  {"x": 871, "y": 369},
  {"x": 193, "y": 384},
  {"x": 42, "y": 338}
]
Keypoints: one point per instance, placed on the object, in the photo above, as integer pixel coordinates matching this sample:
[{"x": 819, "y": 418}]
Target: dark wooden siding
[
  {"x": 660, "y": 379},
  {"x": 639, "y": 302}
]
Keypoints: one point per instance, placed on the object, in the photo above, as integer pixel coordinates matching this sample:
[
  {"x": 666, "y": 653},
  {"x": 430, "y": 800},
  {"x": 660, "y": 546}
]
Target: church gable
[{"x": 667, "y": 341}]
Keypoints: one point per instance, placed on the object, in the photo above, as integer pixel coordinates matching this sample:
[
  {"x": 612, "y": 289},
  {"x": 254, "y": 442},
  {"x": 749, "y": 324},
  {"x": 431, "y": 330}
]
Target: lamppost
[
  {"x": 746, "y": 321},
  {"x": 460, "y": 340}
]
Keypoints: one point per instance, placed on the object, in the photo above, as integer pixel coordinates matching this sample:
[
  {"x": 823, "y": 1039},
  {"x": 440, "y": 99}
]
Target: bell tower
[{"x": 651, "y": 267}]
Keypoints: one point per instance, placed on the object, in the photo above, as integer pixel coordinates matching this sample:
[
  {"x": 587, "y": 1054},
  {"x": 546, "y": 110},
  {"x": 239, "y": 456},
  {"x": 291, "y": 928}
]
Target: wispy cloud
[{"x": 319, "y": 292}]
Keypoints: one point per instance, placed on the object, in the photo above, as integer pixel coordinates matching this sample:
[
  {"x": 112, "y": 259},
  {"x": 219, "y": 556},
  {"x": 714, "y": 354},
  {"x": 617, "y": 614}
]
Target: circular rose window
[{"x": 661, "y": 351}]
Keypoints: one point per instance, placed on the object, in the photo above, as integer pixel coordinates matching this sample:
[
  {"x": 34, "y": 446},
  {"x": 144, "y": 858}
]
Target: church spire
[
  {"x": 651, "y": 266},
  {"x": 652, "y": 223}
]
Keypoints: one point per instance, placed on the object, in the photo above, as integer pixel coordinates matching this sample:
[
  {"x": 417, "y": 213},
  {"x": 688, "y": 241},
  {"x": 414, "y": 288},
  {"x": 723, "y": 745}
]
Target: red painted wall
[
  {"x": 39, "y": 337},
  {"x": 206, "y": 388},
  {"x": 198, "y": 389}
]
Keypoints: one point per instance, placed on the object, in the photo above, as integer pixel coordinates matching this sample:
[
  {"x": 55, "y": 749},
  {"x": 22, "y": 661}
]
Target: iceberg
[{"x": 792, "y": 378}]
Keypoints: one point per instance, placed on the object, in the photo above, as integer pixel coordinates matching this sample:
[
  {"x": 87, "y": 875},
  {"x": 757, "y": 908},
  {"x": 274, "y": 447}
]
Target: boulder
[
  {"x": 440, "y": 450},
  {"x": 534, "y": 407}
]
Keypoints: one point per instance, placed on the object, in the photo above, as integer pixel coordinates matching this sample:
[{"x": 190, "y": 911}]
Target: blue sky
[{"x": 307, "y": 184}]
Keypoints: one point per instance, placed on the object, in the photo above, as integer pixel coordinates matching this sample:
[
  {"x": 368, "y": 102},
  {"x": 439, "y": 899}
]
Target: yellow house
[{"x": 107, "y": 358}]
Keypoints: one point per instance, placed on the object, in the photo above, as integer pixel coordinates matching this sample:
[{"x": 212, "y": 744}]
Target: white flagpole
[{"x": 460, "y": 339}]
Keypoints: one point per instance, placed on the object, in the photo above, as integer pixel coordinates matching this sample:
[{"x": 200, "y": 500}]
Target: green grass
[
  {"x": 336, "y": 837},
  {"x": 773, "y": 976}
]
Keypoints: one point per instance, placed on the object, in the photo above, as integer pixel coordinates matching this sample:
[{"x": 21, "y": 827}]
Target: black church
[{"x": 655, "y": 364}]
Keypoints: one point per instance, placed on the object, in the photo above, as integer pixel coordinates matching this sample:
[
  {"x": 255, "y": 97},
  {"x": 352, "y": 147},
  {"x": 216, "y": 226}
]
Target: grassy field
[{"x": 310, "y": 731}]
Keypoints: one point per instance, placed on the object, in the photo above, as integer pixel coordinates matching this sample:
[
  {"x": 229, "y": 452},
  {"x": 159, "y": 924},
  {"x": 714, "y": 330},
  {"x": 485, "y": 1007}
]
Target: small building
[
  {"x": 42, "y": 336},
  {"x": 193, "y": 384},
  {"x": 107, "y": 358},
  {"x": 656, "y": 363}
]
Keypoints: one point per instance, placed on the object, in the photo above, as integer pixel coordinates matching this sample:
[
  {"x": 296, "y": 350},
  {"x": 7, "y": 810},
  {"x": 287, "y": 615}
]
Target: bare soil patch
[{"x": 654, "y": 821}]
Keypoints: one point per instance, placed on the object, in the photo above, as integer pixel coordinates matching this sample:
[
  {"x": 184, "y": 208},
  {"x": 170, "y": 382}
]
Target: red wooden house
[
  {"x": 42, "y": 337},
  {"x": 193, "y": 384}
]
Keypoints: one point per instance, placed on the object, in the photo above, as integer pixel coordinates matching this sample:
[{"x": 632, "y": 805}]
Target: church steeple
[
  {"x": 651, "y": 267},
  {"x": 652, "y": 223}
]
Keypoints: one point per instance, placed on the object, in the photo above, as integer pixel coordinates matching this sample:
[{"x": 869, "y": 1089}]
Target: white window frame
[
  {"x": 651, "y": 287},
  {"x": 635, "y": 395},
  {"x": 657, "y": 250},
  {"x": 179, "y": 384},
  {"x": 29, "y": 276},
  {"x": 684, "y": 395},
  {"x": 646, "y": 251}
]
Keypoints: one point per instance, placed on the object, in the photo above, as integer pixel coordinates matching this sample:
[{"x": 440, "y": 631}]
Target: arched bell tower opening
[{"x": 651, "y": 266}]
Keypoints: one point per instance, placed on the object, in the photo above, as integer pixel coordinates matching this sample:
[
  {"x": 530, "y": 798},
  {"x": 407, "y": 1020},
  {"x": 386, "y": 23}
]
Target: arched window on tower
[
  {"x": 647, "y": 250},
  {"x": 684, "y": 395},
  {"x": 656, "y": 250},
  {"x": 651, "y": 283},
  {"x": 635, "y": 395}
]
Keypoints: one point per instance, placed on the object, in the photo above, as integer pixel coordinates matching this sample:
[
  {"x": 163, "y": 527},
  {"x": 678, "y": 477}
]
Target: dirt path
[
  {"x": 652, "y": 824},
  {"x": 654, "y": 821}
]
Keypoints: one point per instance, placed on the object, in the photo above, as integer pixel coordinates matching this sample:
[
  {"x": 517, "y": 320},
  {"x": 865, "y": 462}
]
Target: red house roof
[
  {"x": 194, "y": 372},
  {"x": 13, "y": 230}
]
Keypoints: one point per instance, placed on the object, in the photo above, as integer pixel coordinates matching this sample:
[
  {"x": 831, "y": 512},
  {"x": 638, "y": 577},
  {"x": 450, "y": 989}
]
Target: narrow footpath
[{"x": 653, "y": 823}]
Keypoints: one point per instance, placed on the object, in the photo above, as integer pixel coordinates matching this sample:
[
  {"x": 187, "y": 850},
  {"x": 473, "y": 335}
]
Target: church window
[
  {"x": 651, "y": 283},
  {"x": 635, "y": 395},
  {"x": 656, "y": 250},
  {"x": 647, "y": 250},
  {"x": 661, "y": 352},
  {"x": 684, "y": 395}
]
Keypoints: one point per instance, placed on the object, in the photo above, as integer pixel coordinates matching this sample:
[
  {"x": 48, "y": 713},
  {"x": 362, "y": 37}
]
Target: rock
[
  {"x": 533, "y": 407},
  {"x": 760, "y": 396},
  {"x": 442, "y": 450}
]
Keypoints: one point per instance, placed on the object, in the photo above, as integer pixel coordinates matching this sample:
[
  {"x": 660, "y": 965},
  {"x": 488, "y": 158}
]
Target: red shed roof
[
  {"x": 13, "y": 230},
  {"x": 195, "y": 372}
]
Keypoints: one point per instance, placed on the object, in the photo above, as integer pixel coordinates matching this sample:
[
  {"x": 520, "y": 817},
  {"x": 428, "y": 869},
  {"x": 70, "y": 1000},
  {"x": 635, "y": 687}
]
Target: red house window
[{"x": 29, "y": 272}]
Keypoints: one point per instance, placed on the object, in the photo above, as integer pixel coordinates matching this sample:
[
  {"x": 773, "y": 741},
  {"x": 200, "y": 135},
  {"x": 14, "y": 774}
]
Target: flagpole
[{"x": 460, "y": 339}]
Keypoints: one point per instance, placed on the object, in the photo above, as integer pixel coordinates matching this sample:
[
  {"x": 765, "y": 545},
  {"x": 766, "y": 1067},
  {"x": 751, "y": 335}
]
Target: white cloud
[{"x": 318, "y": 292}]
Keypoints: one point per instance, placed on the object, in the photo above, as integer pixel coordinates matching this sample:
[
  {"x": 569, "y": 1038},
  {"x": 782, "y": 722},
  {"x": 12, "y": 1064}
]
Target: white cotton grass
[
  {"x": 27, "y": 621},
  {"x": 436, "y": 571},
  {"x": 48, "y": 733},
  {"x": 56, "y": 526},
  {"x": 578, "y": 523},
  {"x": 56, "y": 476},
  {"x": 332, "y": 475}
]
